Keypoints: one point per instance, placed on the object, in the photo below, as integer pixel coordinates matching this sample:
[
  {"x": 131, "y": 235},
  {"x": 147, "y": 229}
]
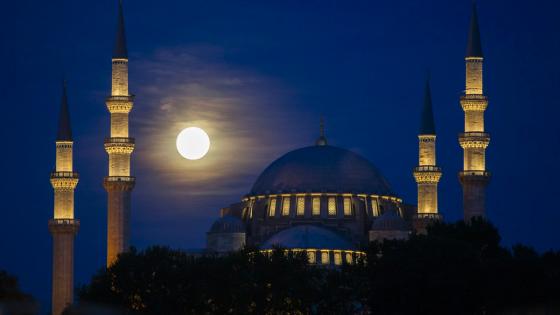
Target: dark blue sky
[{"x": 257, "y": 76}]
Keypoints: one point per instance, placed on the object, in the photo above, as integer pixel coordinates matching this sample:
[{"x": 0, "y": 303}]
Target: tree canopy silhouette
[{"x": 454, "y": 269}]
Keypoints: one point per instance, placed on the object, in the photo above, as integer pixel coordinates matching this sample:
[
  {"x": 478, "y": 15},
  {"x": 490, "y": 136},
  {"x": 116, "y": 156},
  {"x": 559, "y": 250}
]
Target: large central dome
[{"x": 321, "y": 168}]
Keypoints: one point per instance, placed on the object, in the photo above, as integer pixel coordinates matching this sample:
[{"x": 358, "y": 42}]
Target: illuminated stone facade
[
  {"x": 474, "y": 140},
  {"x": 63, "y": 226},
  {"x": 427, "y": 174},
  {"x": 319, "y": 199},
  {"x": 119, "y": 146}
]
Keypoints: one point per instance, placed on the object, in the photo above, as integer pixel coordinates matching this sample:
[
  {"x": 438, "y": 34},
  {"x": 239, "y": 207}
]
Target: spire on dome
[
  {"x": 427, "y": 124},
  {"x": 322, "y": 140},
  {"x": 64, "y": 130},
  {"x": 474, "y": 47},
  {"x": 120, "y": 50}
]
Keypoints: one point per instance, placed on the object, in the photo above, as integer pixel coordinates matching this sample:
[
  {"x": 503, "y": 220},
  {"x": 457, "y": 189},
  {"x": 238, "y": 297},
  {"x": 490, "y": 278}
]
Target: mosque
[
  {"x": 330, "y": 202},
  {"x": 323, "y": 200}
]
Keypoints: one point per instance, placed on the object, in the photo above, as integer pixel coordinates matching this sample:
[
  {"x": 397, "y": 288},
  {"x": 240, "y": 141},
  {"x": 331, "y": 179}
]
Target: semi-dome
[
  {"x": 389, "y": 221},
  {"x": 307, "y": 236},
  {"x": 321, "y": 168},
  {"x": 228, "y": 224}
]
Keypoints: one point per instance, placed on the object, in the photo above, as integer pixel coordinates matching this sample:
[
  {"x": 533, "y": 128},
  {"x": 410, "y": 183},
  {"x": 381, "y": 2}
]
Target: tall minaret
[
  {"x": 63, "y": 226},
  {"x": 474, "y": 140},
  {"x": 427, "y": 174},
  {"x": 119, "y": 146}
]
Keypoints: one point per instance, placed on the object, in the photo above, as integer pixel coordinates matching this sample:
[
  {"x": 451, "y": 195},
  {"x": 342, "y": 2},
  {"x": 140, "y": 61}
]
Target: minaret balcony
[
  {"x": 474, "y": 175},
  {"x": 64, "y": 225},
  {"x": 427, "y": 174},
  {"x": 474, "y": 102},
  {"x": 64, "y": 180},
  {"x": 428, "y": 216},
  {"x": 119, "y": 145},
  {"x": 119, "y": 183},
  {"x": 119, "y": 104},
  {"x": 478, "y": 140},
  {"x": 64, "y": 175}
]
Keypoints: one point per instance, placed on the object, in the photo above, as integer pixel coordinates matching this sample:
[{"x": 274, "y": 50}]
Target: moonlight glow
[{"x": 193, "y": 143}]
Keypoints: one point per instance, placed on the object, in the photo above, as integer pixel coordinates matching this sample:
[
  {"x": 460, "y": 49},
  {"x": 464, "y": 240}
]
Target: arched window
[
  {"x": 349, "y": 259},
  {"x": 316, "y": 206},
  {"x": 332, "y": 206},
  {"x": 300, "y": 205},
  {"x": 272, "y": 207},
  {"x": 374, "y": 207},
  {"x": 286, "y": 206},
  {"x": 337, "y": 258},
  {"x": 347, "y": 206},
  {"x": 311, "y": 256},
  {"x": 325, "y": 257}
]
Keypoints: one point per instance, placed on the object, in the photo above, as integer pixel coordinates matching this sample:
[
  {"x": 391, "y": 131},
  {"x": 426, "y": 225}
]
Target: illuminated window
[
  {"x": 311, "y": 257},
  {"x": 337, "y": 258},
  {"x": 374, "y": 207},
  {"x": 332, "y": 206},
  {"x": 286, "y": 206},
  {"x": 349, "y": 259},
  {"x": 300, "y": 205},
  {"x": 325, "y": 259},
  {"x": 347, "y": 206},
  {"x": 316, "y": 206},
  {"x": 272, "y": 207},
  {"x": 251, "y": 205}
]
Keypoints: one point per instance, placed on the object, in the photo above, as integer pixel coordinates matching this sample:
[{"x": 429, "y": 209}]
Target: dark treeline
[
  {"x": 12, "y": 300},
  {"x": 454, "y": 269}
]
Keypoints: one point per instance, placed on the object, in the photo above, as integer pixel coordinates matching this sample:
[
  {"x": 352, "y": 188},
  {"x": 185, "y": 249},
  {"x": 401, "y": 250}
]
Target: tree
[
  {"x": 12, "y": 300},
  {"x": 455, "y": 268}
]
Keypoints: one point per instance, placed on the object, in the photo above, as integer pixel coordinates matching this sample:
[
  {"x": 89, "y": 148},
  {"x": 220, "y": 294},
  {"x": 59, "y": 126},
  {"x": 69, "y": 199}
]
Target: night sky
[{"x": 257, "y": 76}]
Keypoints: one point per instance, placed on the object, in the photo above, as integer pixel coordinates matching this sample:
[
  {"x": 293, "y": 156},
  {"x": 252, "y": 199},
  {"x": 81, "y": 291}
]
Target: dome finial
[{"x": 322, "y": 139}]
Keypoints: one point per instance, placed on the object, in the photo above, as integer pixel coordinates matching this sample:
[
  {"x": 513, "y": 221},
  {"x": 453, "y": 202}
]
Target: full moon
[{"x": 193, "y": 143}]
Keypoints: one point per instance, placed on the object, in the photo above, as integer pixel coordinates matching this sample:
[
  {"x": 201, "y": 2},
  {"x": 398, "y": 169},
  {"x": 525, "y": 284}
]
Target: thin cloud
[{"x": 248, "y": 117}]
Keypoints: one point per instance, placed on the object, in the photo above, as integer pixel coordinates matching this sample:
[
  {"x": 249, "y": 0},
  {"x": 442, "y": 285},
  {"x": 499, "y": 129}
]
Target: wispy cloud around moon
[{"x": 249, "y": 118}]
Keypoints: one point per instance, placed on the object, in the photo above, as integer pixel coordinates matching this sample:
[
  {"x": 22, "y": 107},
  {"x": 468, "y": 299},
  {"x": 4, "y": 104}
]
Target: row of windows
[
  {"x": 373, "y": 207},
  {"x": 324, "y": 256},
  {"x": 315, "y": 206}
]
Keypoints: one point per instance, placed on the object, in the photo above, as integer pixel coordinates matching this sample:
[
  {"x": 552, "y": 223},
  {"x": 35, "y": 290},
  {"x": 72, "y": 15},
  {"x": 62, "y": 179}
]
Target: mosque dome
[
  {"x": 389, "y": 221},
  {"x": 228, "y": 224},
  {"x": 321, "y": 168},
  {"x": 307, "y": 236}
]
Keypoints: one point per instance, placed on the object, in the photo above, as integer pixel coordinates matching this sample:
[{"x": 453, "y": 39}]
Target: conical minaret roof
[
  {"x": 474, "y": 47},
  {"x": 64, "y": 130},
  {"x": 427, "y": 124},
  {"x": 120, "y": 50}
]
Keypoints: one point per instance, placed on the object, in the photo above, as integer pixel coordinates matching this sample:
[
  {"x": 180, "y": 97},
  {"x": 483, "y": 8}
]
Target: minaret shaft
[
  {"x": 474, "y": 141},
  {"x": 427, "y": 176},
  {"x": 119, "y": 146},
  {"x": 63, "y": 226}
]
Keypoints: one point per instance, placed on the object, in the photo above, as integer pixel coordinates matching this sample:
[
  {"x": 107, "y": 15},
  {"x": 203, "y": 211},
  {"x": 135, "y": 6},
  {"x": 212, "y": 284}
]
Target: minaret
[
  {"x": 474, "y": 140},
  {"x": 119, "y": 146},
  {"x": 427, "y": 174},
  {"x": 63, "y": 226}
]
